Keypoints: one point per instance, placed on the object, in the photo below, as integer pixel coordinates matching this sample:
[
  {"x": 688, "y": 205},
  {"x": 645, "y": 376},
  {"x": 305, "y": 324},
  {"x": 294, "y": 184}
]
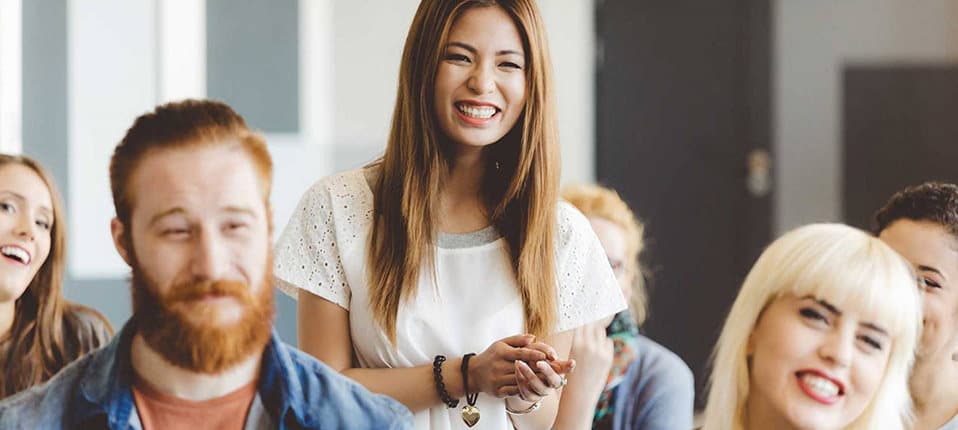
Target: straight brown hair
[
  {"x": 47, "y": 333},
  {"x": 520, "y": 183}
]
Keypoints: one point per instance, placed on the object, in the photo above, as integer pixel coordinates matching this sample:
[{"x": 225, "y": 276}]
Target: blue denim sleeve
[
  {"x": 658, "y": 392},
  {"x": 403, "y": 423}
]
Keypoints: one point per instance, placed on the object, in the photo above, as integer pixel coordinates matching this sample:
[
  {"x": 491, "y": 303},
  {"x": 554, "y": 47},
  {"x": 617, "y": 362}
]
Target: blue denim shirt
[{"x": 295, "y": 390}]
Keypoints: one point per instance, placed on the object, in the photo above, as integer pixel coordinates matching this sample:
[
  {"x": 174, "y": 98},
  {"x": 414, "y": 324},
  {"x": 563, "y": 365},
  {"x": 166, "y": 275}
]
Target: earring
[{"x": 497, "y": 166}]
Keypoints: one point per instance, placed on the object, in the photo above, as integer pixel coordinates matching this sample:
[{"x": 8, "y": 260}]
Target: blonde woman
[
  {"x": 633, "y": 382},
  {"x": 821, "y": 336},
  {"x": 447, "y": 275}
]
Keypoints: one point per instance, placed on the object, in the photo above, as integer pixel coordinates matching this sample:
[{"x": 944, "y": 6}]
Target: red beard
[{"x": 202, "y": 345}]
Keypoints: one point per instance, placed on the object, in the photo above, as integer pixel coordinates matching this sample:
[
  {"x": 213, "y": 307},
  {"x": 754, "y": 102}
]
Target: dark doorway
[
  {"x": 682, "y": 100},
  {"x": 898, "y": 130}
]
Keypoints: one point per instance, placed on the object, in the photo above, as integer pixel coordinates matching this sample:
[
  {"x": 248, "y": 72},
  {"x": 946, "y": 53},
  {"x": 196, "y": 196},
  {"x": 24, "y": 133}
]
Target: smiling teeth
[
  {"x": 819, "y": 385},
  {"x": 13, "y": 251},
  {"x": 481, "y": 112}
]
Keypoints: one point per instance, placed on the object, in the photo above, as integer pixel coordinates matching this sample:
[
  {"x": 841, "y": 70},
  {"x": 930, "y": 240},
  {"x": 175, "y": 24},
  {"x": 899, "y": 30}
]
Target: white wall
[
  {"x": 572, "y": 39},
  {"x": 11, "y": 69},
  {"x": 111, "y": 80},
  {"x": 813, "y": 40}
]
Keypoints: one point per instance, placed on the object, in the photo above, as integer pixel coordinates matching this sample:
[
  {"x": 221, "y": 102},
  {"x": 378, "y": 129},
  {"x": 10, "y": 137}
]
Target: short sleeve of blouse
[
  {"x": 588, "y": 290},
  {"x": 307, "y": 255}
]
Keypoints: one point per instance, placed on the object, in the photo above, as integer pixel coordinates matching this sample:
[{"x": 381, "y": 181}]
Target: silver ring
[{"x": 563, "y": 382}]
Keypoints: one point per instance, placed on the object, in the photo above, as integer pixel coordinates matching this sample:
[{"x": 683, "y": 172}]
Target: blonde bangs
[{"x": 856, "y": 272}]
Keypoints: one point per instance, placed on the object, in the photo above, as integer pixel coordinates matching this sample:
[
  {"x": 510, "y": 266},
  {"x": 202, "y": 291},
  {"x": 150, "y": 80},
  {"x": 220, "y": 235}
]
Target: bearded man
[{"x": 191, "y": 188}]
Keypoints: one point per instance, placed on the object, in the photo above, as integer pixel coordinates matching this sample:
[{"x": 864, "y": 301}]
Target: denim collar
[{"x": 105, "y": 387}]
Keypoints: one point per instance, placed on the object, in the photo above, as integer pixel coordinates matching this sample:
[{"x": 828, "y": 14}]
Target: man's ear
[{"x": 119, "y": 239}]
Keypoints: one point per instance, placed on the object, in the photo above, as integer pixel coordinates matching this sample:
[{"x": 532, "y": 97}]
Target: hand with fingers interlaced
[
  {"x": 538, "y": 379},
  {"x": 493, "y": 370}
]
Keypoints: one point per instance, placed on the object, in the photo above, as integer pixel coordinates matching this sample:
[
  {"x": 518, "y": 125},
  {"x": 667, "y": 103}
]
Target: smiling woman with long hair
[
  {"x": 821, "y": 336},
  {"x": 40, "y": 332},
  {"x": 453, "y": 248}
]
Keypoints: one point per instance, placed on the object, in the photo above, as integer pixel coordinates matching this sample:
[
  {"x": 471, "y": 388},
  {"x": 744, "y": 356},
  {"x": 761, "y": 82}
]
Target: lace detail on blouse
[
  {"x": 588, "y": 289},
  {"x": 334, "y": 218},
  {"x": 335, "y": 212}
]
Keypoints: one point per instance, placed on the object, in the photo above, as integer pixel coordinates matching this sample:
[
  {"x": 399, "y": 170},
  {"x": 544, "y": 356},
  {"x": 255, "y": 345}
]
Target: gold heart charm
[{"x": 470, "y": 415}]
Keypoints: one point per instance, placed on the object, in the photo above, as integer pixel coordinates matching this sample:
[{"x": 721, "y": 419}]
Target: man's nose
[{"x": 209, "y": 257}]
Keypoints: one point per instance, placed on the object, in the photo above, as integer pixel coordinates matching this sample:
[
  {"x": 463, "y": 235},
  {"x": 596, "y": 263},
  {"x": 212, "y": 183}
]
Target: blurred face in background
[
  {"x": 933, "y": 252},
  {"x": 26, "y": 222},
  {"x": 612, "y": 237}
]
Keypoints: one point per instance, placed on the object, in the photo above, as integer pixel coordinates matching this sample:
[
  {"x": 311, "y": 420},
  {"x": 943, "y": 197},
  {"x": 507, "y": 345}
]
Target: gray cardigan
[{"x": 658, "y": 391}]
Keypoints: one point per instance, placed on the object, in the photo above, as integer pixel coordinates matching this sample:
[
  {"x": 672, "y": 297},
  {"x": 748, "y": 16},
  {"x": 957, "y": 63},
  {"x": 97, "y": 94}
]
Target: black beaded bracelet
[{"x": 440, "y": 386}]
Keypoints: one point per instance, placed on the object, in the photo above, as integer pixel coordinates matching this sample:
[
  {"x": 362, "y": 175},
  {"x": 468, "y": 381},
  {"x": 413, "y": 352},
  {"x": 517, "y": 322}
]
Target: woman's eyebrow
[
  {"x": 14, "y": 194},
  {"x": 831, "y": 308},
  {"x": 473, "y": 50},
  {"x": 874, "y": 327},
  {"x": 923, "y": 268},
  {"x": 462, "y": 45}
]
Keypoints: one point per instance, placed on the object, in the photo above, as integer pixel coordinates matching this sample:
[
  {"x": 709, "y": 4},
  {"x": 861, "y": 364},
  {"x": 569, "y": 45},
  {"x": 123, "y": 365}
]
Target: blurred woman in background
[
  {"x": 40, "y": 332},
  {"x": 633, "y": 382}
]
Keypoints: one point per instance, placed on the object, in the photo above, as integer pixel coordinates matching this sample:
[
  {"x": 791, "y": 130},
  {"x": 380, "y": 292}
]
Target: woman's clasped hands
[{"x": 519, "y": 367}]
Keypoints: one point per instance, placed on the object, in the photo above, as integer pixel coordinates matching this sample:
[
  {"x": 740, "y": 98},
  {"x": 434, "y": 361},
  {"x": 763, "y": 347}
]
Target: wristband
[{"x": 440, "y": 386}]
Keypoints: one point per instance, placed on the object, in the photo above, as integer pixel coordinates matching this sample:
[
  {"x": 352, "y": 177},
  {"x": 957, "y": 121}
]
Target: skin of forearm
[
  {"x": 577, "y": 407},
  {"x": 414, "y": 387},
  {"x": 543, "y": 418}
]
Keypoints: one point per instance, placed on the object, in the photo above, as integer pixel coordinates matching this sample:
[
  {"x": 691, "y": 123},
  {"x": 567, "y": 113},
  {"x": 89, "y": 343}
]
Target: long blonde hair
[
  {"x": 520, "y": 183},
  {"x": 595, "y": 201},
  {"x": 840, "y": 264}
]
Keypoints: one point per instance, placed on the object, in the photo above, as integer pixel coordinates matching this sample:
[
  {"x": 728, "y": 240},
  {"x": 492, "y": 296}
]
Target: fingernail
[{"x": 542, "y": 365}]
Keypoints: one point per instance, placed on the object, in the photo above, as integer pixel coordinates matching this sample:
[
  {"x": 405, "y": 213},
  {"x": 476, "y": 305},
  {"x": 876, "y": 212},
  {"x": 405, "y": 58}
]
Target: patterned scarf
[{"x": 624, "y": 334}]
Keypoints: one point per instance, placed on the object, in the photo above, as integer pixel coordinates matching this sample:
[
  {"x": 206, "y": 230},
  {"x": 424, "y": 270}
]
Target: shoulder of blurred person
[
  {"x": 50, "y": 404},
  {"x": 85, "y": 329},
  {"x": 658, "y": 391}
]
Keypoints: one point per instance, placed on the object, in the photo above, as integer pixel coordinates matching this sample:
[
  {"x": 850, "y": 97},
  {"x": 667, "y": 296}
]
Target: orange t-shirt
[{"x": 163, "y": 411}]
